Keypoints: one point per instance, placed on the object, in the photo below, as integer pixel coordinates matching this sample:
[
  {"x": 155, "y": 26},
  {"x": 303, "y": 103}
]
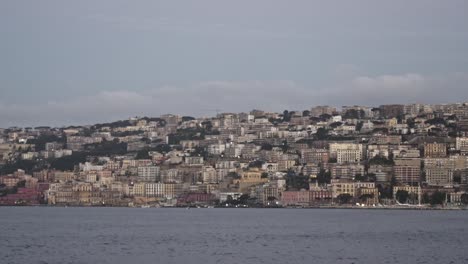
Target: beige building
[
  {"x": 250, "y": 178},
  {"x": 346, "y": 152},
  {"x": 462, "y": 144},
  {"x": 209, "y": 174},
  {"x": 355, "y": 189},
  {"x": 435, "y": 150},
  {"x": 439, "y": 176}
]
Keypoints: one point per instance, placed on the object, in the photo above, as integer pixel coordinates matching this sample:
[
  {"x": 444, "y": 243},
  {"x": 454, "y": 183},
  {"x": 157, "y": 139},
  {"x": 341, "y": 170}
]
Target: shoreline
[{"x": 412, "y": 208}]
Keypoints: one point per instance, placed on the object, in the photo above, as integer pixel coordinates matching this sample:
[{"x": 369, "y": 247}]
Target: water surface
[{"x": 155, "y": 235}]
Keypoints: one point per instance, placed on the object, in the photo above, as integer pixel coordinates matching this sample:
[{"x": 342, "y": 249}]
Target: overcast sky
[{"x": 80, "y": 62}]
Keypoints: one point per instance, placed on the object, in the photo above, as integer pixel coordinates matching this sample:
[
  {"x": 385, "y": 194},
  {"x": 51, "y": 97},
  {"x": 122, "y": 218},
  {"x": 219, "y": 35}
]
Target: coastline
[{"x": 412, "y": 208}]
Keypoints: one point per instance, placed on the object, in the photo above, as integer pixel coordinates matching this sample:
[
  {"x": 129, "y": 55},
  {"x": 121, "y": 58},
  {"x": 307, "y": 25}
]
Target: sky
[{"x": 83, "y": 62}]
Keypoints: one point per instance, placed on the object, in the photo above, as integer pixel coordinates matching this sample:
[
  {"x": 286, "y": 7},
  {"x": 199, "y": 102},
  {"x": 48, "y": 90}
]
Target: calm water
[{"x": 135, "y": 235}]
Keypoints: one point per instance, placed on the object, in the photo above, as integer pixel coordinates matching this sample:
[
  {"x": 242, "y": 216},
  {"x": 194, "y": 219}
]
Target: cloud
[
  {"x": 405, "y": 88},
  {"x": 199, "y": 99},
  {"x": 206, "y": 98}
]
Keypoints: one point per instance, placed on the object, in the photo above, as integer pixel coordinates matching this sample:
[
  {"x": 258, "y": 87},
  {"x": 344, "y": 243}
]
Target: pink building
[
  {"x": 195, "y": 198},
  {"x": 295, "y": 198},
  {"x": 26, "y": 196}
]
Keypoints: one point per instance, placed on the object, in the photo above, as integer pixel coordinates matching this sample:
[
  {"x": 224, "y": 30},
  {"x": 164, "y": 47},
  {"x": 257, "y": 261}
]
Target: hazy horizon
[{"x": 76, "y": 63}]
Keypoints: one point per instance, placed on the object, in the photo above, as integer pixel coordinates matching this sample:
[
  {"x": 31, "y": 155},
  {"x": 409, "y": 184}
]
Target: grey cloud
[{"x": 205, "y": 98}]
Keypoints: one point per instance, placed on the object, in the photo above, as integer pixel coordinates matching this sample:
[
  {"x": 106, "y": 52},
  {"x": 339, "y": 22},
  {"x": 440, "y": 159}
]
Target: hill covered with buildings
[{"x": 391, "y": 154}]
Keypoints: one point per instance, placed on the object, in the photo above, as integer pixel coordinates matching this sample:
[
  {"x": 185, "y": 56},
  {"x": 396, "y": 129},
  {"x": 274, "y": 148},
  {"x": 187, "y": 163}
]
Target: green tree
[
  {"x": 464, "y": 198},
  {"x": 187, "y": 118},
  {"x": 68, "y": 163},
  {"x": 380, "y": 160},
  {"x": 286, "y": 116},
  {"x": 344, "y": 198},
  {"x": 234, "y": 175},
  {"x": 336, "y": 124},
  {"x": 437, "y": 198},
  {"x": 324, "y": 176},
  {"x": 425, "y": 198},
  {"x": 321, "y": 134},
  {"x": 413, "y": 198},
  {"x": 143, "y": 154},
  {"x": 402, "y": 196},
  {"x": 243, "y": 199}
]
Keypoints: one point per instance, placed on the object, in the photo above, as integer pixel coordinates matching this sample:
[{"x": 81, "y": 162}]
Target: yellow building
[{"x": 249, "y": 178}]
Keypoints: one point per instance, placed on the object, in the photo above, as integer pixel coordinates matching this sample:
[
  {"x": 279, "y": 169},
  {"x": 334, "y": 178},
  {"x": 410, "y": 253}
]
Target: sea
[{"x": 211, "y": 235}]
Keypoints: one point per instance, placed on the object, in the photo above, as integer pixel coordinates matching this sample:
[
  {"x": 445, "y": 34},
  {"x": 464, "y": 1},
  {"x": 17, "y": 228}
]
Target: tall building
[
  {"x": 462, "y": 144},
  {"x": 435, "y": 150},
  {"x": 322, "y": 109},
  {"x": 149, "y": 173},
  {"x": 390, "y": 111}
]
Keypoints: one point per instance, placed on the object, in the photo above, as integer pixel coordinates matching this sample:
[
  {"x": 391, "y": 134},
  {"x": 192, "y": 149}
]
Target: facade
[
  {"x": 462, "y": 144},
  {"x": 295, "y": 198},
  {"x": 435, "y": 150},
  {"x": 439, "y": 176},
  {"x": 149, "y": 173}
]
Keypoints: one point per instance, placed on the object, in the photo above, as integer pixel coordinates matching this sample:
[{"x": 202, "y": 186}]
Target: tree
[
  {"x": 360, "y": 178},
  {"x": 371, "y": 177},
  {"x": 366, "y": 197},
  {"x": 264, "y": 175},
  {"x": 344, "y": 198},
  {"x": 143, "y": 154},
  {"x": 243, "y": 199},
  {"x": 271, "y": 198},
  {"x": 464, "y": 198},
  {"x": 425, "y": 198},
  {"x": 286, "y": 116},
  {"x": 256, "y": 164},
  {"x": 359, "y": 125},
  {"x": 187, "y": 118},
  {"x": 393, "y": 181},
  {"x": 321, "y": 133},
  {"x": 385, "y": 191},
  {"x": 266, "y": 146},
  {"x": 163, "y": 148},
  {"x": 68, "y": 163},
  {"x": 297, "y": 182},
  {"x": 336, "y": 124},
  {"x": 233, "y": 175},
  {"x": 380, "y": 160},
  {"x": 402, "y": 196},
  {"x": 21, "y": 184},
  {"x": 437, "y": 198},
  {"x": 323, "y": 176},
  {"x": 325, "y": 117},
  {"x": 413, "y": 198},
  {"x": 41, "y": 141}
]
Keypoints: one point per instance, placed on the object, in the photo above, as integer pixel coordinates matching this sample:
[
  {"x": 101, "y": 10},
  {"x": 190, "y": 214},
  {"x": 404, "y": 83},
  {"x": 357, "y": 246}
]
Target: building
[
  {"x": 295, "y": 198},
  {"x": 439, "y": 176},
  {"x": 391, "y": 111},
  {"x": 314, "y": 156},
  {"x": 462, "y": 144},
  {"x": 321, "y": 110},
  {"x": 435, "y": 150},
  {"x": 346, "y": 152},
  {"x": 407, "y": 170},
  {"x": 149, "y": 173}
]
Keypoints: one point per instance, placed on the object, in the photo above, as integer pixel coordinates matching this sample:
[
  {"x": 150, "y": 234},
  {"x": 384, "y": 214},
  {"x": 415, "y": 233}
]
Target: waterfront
[{"x": 158, "y": 235}]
